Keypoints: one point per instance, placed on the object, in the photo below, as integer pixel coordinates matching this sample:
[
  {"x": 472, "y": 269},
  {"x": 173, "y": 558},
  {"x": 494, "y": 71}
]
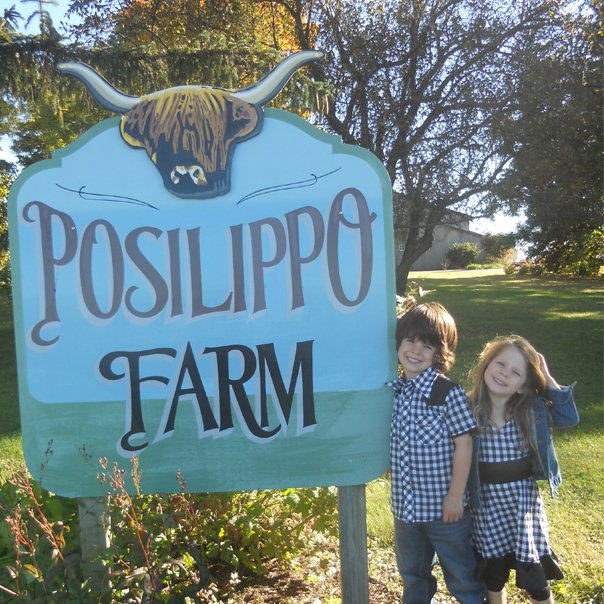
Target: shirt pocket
[{"x": 429, "y": 430}]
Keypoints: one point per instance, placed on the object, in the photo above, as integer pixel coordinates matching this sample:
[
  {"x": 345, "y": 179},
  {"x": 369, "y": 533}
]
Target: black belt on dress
[{"x": 505, "y": 471}]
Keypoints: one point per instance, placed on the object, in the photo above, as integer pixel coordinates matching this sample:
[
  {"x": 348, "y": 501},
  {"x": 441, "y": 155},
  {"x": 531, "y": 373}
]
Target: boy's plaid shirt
[{"x": 421, "y": 446}]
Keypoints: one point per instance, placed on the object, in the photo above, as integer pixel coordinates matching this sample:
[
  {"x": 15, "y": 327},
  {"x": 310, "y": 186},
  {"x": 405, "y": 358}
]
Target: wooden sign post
[
  {"x": 95, "y": 537},
  {"x": 353, "y": 544},
  {"x": 212, "y": 292}
]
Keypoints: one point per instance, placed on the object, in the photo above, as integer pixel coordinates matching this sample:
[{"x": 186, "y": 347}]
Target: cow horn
[
  {"x": 259, "y": 93},
  {"x": 100, "y": 89},
  {"x": 271, "y": 85}
]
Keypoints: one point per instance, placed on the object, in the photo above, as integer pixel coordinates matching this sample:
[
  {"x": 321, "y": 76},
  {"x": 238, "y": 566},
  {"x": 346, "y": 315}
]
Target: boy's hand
[{"x": 452, "y": 508}]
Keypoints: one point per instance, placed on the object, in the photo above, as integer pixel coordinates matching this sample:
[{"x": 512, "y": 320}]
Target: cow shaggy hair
[{"x": 203, "y": 122}]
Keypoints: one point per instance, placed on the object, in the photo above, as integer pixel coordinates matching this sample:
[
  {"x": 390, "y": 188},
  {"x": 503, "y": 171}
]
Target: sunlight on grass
[
  {"x": 565, "y": 314},
  {"x": 456, "y": 274},
  {"x": 577, "y": 516},
  {"x": 11, "y": 448},
  {"x": 380, "y": 524}
]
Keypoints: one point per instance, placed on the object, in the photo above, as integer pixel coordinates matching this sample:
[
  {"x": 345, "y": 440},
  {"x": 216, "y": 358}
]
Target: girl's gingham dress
[{"x": 510, "y": 527}]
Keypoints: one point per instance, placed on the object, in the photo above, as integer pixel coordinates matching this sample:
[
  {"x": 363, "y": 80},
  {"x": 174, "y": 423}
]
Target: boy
[{"x": 430, "y": 455}]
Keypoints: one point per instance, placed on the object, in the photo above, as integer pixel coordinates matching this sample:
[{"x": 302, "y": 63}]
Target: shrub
[
  {"x": 576, "y": 252},
  {"x": 413, "y": 293},
  {"x": 164, "y": 548},
  {"x": 585, "y": 257},
  {"x": 524, "y": 269},
  {"x": 473, "y": 266},
  {"x": 462, "y": 254},
  {"x": 5, "y": 275},
  {"x": 510, "y": 269},
  {"x": 498, "y": 247}
]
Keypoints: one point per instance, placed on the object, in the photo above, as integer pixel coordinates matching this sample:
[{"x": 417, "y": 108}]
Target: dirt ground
[{"x": 316, "y": 580}]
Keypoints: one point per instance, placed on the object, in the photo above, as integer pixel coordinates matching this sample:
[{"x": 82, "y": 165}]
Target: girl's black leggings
[{"x": 496, "y": 582}]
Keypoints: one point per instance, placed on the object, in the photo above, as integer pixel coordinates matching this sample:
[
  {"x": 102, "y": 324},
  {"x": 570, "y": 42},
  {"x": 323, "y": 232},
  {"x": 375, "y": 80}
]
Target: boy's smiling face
[{"x": 415, "y": 356}]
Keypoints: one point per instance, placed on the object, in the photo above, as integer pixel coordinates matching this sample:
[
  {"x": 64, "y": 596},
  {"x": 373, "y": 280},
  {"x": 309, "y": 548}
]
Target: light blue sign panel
[{"x": 244, "y": 340}]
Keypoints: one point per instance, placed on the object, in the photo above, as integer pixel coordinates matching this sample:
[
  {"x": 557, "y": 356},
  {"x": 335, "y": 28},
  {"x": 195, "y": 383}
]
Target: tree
[
  {"x": 428, "y": 86},
  {"x": 421, "y": 83},
  {"x": 140, "y": 46},
  {"x": 555, "y": 141},
  {"x": 9, "y": 22},
  {"x": 47, "y": 29},
  {"x": 6, "y": 178}
]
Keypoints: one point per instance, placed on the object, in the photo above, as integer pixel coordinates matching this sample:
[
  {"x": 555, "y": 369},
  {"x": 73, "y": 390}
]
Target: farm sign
[{"x": 207, "y": 285}]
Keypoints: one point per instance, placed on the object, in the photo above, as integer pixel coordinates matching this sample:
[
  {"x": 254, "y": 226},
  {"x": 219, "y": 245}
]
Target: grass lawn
[
  {"x": 562, "y": 318},
  {"x": 10, "y": 428}
]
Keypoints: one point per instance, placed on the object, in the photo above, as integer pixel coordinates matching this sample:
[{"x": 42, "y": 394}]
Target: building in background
[{"x": 454, "y": 229}]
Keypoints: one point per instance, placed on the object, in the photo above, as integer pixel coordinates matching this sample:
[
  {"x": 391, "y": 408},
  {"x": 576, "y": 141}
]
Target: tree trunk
[
  {"x": 402, "y": 275},
  {"x": 418, "y": 242}
]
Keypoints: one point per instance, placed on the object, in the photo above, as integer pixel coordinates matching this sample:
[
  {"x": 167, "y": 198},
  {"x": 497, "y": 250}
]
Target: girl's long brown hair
[{"x": 519, "y": 405}]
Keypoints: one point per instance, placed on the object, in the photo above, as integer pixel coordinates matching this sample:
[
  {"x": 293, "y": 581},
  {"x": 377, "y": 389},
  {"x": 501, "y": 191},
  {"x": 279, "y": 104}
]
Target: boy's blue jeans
[{"x": 417, "y": 542}]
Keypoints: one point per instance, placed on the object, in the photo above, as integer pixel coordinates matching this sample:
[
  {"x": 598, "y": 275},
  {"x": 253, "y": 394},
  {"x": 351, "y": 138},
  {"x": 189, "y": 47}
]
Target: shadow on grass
[{"x": 561, "y": 317}]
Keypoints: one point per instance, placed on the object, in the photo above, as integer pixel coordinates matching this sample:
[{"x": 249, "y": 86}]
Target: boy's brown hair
[{"x": 432, "y": 324}]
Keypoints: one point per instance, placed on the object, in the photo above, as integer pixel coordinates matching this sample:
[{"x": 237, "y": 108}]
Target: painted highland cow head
[{"x": 190, "y": 132}]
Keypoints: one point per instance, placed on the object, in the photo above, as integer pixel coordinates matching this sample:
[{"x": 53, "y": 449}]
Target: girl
[{"x": 516, "y": 402}]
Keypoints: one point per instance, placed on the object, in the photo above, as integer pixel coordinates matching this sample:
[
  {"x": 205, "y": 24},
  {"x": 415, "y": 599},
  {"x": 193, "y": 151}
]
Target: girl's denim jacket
[{"x": 561, "y": 413}]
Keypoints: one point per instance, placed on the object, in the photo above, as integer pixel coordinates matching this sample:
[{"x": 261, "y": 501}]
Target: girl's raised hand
[{"x": 549, "y": 380}]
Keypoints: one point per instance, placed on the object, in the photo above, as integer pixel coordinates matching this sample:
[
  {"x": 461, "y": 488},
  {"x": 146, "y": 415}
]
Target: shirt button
[{"x": 540, "y": 440}]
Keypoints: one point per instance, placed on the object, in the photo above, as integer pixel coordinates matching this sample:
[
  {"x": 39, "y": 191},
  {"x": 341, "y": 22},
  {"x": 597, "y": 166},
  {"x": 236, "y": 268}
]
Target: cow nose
[
  {"x": 198, "y": 175},
  {"x": 195, "y": 172}
]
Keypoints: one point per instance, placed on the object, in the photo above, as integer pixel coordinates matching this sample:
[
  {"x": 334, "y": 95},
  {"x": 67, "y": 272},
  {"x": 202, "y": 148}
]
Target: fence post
[
  {"x": 354, "y": 571},
  {"x": 94, "y": 537}
]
